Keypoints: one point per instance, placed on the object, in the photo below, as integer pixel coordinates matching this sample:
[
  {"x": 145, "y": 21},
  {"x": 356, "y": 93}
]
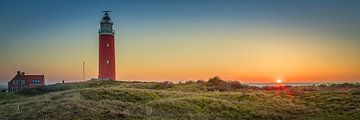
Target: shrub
[
  {"x": 323, "y": 85},
  {"x": 34, "y": 91},
  {"x": 236, "y": 85},
  {"x": 357, "y": 92},
  {"x": 189, "y": 82},
  {"x": 345, "y": 85},
  {"x": 163, "y": 85},
  {"x": 216, "y": 84},
  {"x": 200, "y": 81},
  {"x": 215, "y": 81},
  {"x": 309, "y": 88}
]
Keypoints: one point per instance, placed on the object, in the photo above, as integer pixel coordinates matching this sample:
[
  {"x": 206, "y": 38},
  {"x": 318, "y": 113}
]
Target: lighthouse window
[
  {"x": 107, "y": 45},
  {"x": 107, "y": 62}
]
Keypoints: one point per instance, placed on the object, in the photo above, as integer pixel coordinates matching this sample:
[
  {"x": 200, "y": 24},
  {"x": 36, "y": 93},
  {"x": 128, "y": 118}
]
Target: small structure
[{"x": 22, "y": 81}]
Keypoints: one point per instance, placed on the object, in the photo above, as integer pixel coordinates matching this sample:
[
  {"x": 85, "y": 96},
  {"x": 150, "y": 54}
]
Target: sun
[{"x": 279, "y": 81}]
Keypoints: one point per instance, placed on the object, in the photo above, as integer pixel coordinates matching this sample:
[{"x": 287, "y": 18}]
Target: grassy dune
[{"x": 194, "y": 100}]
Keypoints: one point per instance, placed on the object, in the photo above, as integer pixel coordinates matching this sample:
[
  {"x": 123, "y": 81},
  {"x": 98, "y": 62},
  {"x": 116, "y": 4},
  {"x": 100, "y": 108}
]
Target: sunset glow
[{"x": 158, "y": 41}]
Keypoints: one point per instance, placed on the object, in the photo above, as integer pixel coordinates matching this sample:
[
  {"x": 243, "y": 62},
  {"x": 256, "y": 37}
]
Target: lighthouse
[{"x": 106, "y": 48}]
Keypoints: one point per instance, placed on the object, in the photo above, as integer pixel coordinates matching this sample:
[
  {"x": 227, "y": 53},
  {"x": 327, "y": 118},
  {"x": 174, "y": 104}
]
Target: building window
[
  {"x": 107, "y": 45},
  {"x": 107, "y": 62},
  {"x": 35, "y": 81},
  {"x": 22, "y": 81},
  {"x": 15, "y": 82}
]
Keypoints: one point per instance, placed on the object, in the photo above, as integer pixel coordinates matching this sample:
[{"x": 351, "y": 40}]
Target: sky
[{"x": 179, "y": 40}]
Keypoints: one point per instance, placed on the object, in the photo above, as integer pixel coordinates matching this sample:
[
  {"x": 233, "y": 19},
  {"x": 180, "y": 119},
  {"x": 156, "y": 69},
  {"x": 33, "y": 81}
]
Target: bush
[
  {"x": 345, "y": 85},
  {"x": 200, "y": 81},
  {"x": 236, "y": 85},
  {"x": 216, "y": 84},
  {"x": 163, "y": 85},
  {"x": 357, "y": 92},
  {"x": 309, "y": 88},
  {"x": 3, "y": 90},
  {"x": 34, "y": 91},
  {"x": 189, "y": 82},
  {"x": 215, "y": 81}
]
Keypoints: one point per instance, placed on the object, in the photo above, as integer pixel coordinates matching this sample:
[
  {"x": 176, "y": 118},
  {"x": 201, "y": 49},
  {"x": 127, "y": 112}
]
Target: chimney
[{"x": 18, "y": 72}]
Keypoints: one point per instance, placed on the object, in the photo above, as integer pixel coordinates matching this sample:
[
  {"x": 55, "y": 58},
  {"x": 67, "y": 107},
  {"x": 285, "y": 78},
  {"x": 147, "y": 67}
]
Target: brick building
[{"x": 22, "y": 81}]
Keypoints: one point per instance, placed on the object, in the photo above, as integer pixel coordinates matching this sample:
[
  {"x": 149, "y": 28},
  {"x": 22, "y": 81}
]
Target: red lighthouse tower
[{"x": 106, "y": 49}]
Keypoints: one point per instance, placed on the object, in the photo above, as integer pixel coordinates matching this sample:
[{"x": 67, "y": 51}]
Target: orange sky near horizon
[
  {"x": 248, "y": 53},
  {"x": 162, "y": 40}
]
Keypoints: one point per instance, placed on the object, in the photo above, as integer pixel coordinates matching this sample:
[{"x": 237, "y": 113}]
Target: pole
[{"x": 83, "y": 70}]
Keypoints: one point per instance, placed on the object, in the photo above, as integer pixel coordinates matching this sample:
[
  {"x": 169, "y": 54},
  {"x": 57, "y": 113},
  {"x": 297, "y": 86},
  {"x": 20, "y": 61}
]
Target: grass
[{"x": 193, "y": 100}]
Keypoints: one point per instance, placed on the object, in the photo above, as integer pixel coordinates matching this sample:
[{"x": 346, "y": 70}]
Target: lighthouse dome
[{"x": 106, "y": 18}]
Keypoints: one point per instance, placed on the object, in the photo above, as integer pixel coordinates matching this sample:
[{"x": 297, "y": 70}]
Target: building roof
[
  {"x": 34, "y": 75},
  {"x": 23, "y": 76}
]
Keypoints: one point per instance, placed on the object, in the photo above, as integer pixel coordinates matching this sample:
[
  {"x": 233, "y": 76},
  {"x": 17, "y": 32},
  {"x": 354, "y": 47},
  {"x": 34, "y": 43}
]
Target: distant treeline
[
  {"x": 213, "y": 84},
  {"x": 217, "y": 84}
]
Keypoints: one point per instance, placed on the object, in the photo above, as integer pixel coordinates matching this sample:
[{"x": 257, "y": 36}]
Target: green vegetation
[{"x": 215, "y": 99}]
